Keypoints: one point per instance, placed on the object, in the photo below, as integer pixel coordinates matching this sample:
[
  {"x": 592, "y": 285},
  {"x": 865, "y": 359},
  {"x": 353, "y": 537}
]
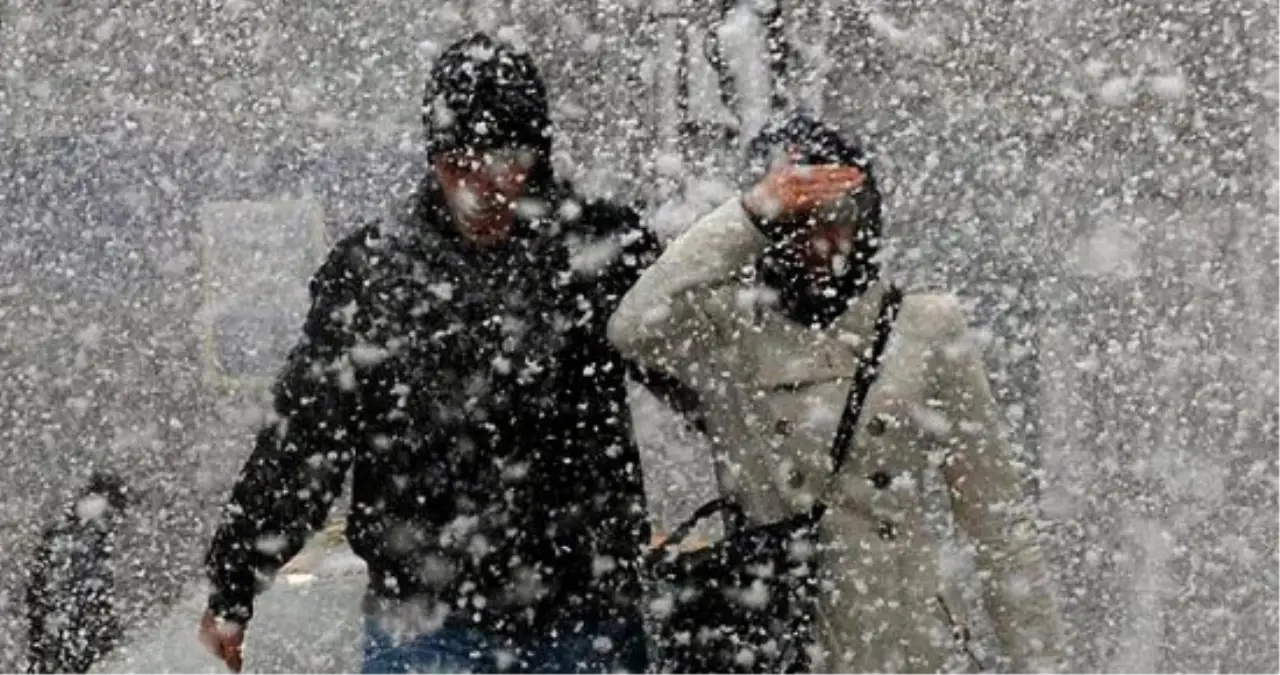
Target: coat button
[
  {"x": 881, "y": 480},
  {"x": 887, "y": 531},
  {"x": 876, "y": 425},
  {"x": 783, "y": 427}
]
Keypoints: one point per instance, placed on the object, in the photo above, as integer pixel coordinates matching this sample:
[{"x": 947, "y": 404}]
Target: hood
[{"x": 484, "y": 94}]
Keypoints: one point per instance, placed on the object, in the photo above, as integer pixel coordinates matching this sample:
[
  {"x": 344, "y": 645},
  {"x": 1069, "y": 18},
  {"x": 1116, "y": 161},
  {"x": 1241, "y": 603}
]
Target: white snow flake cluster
[{"x": 1097, "y": 176}]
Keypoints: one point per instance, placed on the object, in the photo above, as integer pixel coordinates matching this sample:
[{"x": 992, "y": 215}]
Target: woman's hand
[{"x": 790, "y": 190}]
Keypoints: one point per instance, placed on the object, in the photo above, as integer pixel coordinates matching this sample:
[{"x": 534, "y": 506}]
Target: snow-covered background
[{"x": 1099, "y": 176}]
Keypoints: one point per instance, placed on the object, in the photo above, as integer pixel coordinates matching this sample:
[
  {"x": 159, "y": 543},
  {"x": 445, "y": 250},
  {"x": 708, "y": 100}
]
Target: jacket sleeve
[
  {"x": 639, "y": 250},
  {"x": 989, "y": 503},
  {"x": 300, "y": 460},
  {"x": 665, "y": 322}
]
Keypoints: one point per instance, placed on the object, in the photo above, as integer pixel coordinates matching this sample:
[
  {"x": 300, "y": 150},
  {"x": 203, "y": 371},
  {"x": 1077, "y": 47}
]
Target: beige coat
[{"x": 772, "y": 392}]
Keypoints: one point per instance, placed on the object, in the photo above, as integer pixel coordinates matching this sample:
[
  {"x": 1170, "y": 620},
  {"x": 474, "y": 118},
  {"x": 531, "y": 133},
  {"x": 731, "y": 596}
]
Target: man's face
[{"x": 481, "y": 189}]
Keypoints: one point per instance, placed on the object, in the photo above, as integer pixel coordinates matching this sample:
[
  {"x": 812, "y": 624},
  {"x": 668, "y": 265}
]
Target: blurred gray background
[{"x": 1098, "y": 176}]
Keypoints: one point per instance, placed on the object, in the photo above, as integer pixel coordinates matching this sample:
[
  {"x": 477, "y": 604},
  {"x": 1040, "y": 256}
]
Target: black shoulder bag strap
[{"x": 868, "y": 369}]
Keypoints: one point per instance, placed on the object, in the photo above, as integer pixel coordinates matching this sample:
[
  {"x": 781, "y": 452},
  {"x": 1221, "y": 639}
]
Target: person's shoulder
[
  {"x": 356, "y": 254},
  {"x": 603, "y": 233},
  {"x": 932, "y": 314},
  {"x": 369, "y": 238},
  {"x": 598, "y": 217},
  {"x": 585, "y": 214}
]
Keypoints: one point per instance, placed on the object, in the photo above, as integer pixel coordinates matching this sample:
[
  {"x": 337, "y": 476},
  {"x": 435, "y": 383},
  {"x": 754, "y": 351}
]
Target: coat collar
[{"x": 806, "y": 356}]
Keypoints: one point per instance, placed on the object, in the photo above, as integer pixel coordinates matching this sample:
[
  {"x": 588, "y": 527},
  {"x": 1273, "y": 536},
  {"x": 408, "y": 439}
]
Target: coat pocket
[{"x": 960, "y": 634}]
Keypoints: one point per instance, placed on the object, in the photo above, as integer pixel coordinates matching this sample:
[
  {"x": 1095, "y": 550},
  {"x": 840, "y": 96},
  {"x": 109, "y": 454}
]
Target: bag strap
[
  {"x": 868, "y": 367},
  {"x": 737, "y": 519}
]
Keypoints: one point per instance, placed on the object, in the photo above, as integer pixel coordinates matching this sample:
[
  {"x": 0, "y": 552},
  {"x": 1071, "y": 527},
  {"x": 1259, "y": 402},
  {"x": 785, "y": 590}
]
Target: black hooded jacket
[
  {"x": 484, "y": 415},
  {"x": 475, "y": 399}
]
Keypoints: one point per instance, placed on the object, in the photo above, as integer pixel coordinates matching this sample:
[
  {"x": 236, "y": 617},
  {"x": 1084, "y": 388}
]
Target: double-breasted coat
[{"x": 772, "y": 393}]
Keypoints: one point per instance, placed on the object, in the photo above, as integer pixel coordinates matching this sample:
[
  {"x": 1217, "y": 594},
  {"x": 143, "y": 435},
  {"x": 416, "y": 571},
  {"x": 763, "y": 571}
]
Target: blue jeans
[{"x": 616, "y": 647}]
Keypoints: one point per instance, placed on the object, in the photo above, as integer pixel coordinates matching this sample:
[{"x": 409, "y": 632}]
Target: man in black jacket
[{"x": 455, "y": 359}]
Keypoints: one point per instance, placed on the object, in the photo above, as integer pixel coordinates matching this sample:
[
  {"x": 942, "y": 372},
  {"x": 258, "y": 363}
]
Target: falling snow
[{"x": 1099, "y": 177}]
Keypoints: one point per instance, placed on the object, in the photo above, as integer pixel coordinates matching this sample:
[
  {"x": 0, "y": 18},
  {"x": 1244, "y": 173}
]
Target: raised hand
[{"x": 790, "y": 189}]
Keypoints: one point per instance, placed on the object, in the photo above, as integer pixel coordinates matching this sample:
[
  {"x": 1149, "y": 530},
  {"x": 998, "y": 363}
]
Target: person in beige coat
[{"x": 763, "y": 307}]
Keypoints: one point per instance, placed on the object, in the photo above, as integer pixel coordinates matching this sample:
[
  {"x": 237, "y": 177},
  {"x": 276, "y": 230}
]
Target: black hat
[{"x": 484, "y": 95}]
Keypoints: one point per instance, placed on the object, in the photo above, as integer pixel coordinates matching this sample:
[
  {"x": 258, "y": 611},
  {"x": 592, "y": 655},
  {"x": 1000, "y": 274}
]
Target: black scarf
[{"x": 810, "y": 298}]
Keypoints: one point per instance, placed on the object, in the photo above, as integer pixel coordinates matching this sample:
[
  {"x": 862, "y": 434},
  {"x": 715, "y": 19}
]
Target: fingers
[
  {"x": 223, "y": 640},
  {"x": 803, "y": 198},
  {"x": 796, "y": 189},
  {"x": 833, "y": 178},
  {"x": 802, "y": 188},
  {"x": 233, "y": 657},
  {"x": 230, "y": 653},
  {"x": 815, "y": 195}
]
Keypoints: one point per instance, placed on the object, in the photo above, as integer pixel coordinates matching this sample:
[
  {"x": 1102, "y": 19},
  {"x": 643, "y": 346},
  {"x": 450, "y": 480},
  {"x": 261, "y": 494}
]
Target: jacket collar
[{"x": 820, "y": 355}]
